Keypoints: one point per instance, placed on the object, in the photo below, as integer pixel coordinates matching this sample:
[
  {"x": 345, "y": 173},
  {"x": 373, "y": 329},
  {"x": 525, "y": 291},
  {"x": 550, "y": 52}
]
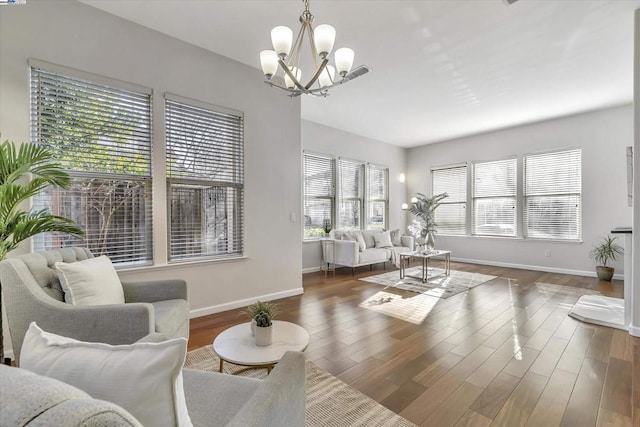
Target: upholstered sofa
[
  {"x": 32, "y": 292},
  {"x": 353, "y": 253},
  {"x": 212, "y": 399}
]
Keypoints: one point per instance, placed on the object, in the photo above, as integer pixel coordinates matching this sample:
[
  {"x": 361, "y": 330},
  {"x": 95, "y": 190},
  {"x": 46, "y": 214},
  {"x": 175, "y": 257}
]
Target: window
[
  {"x": 494, "y": 198},
  {"x": 319, "y": 193},
  {"x": 351, "y": 198},
  {"x": 101, "y": 134},
  {"x": 552, "y": 195},
  {"x": 451, "y": 216},
  {"x": 377, "y": 197},
  {"x": 204, "y": 180}
]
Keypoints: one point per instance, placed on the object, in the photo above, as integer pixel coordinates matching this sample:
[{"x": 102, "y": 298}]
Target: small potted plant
[
  {"x": 602, "y": 253},
  {"x": 262, "y": 314},
  {"x": 326, "y": 227}
]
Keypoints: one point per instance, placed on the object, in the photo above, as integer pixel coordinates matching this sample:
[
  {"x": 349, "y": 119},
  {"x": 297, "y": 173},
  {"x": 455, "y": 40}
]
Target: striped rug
[{"x": 330, "y": 402}]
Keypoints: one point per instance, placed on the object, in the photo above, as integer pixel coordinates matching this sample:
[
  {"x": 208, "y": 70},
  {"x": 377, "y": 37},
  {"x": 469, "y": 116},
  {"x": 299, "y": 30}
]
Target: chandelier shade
[{"x": 282, "y": 66}]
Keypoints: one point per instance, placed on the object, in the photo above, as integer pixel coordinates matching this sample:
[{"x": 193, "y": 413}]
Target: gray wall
[
  {"x": 78, "y": 36},
  {"x": 322, "y": 139},
  {"x": 603, "y": 137}
]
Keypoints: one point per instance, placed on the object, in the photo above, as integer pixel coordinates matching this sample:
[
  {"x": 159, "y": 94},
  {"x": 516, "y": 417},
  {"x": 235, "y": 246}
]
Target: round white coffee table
[{"x": 236, "y": 345}]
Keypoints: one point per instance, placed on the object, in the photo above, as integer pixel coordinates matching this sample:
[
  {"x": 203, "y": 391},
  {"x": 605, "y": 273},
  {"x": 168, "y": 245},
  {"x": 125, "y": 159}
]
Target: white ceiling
[{"x": 441, "y": 69}]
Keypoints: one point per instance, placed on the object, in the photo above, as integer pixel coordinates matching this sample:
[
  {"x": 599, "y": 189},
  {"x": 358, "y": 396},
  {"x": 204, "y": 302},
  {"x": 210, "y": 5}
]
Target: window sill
[
  {"x": 521, "y": 239},
  {"x": 171, "y": 265}
]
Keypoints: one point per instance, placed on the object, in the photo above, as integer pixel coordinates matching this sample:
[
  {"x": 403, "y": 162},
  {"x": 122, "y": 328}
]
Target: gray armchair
[{"x": 31, "y": 292}]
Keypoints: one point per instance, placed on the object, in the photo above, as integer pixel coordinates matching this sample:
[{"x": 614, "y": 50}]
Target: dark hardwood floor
[{"x": 504, "y": 353}]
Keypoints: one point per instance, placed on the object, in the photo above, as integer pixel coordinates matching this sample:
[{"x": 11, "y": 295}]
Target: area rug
[
  {"x": 438, "y": 285},
  {"x": 330, "y": 402}
]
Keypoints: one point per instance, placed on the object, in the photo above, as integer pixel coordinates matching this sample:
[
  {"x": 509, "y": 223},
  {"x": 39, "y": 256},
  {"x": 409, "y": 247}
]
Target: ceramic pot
[
  {"x": 604, "y": 273},
  {"x": 264, "y": 336},
  {"x": 253, "y": 327}
]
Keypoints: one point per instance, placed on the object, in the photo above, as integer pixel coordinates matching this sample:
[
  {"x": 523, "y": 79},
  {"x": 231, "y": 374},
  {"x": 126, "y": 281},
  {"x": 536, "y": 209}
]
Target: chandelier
[{"x": 286, "y": 54}]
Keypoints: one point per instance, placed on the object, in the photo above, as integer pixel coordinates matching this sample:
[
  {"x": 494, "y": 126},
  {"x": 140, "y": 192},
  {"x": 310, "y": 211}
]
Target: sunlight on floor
[
  {"x": 413, "y": 310},
  {"x": 517, "y": 347}
]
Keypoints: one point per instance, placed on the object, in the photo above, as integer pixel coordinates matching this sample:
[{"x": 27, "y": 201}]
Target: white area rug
[{"x": 438, "y": 285}]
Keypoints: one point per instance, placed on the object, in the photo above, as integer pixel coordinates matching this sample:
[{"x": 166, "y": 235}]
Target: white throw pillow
[
  {"x": 143, "y": 378},
  {"x": 396, "y": 237},
  {"x": 383, "y": 240},
  {"x": 358, "y": 236},
  {"x": 92, "y": 281}
]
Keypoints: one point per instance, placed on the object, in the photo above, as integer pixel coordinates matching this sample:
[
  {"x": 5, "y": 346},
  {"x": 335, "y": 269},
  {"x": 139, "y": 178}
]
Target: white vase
[
  {"x": 264, "y": 336},
  {"x": 253, "y": 327}
]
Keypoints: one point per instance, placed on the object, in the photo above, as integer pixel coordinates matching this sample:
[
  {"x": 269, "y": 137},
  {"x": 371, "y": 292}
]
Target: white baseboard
[
  {"x": 310, "y": 270},
  {"x": 243, "y": 303},
  {"x": 634, "y": 330},
  {"x": 534, "y": 267}
]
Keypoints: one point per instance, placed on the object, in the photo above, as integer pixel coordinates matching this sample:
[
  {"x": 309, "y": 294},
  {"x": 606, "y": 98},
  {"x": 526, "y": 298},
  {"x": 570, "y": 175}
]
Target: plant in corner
[
  {"x": 424, "y": 227},
  {"x": 602, "y": 253},
  {"x": 17, "y": 165},
  {"x": 326, "y": 226},
  {"x": 262, "y": 313}
]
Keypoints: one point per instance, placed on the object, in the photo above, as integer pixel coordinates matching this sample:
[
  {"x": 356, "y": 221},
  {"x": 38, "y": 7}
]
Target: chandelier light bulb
[
  {"x": 414, "y": 200},
  {"x": 269, "y": 62},
  {"x": 282, "y": 38},
  {"x": 344, "y": 60},
  {"x": 405, "y": 206},
  {"x": 324, "y": 36},
  {"x": 297, "y": 73},
  {"x": 327, "y": 75}
]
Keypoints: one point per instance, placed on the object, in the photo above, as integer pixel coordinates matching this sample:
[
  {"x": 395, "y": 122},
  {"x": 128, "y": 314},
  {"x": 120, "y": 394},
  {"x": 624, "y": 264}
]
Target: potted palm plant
[
  {"x": 602, "y": 253},
  {"x": 17, "y": 165},
  {"x": 262, "y": 314},
  {"x": 424, "y": 228}
]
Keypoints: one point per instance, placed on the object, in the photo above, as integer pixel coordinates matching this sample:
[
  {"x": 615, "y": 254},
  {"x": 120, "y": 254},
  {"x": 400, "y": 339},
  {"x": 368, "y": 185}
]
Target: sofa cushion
[
  {"x": 369, "y": 240},
  {"x": 228, "y": 393},
  {"x": 170, "y": 315},
  {"x": 93, "y": 281},
  {"x": 143, "y": 378},
  {"x": 396, "y": 237},
  {"x": 370, "y": 256},
  {"x": 27, "y": 398},
  {"x": 358, "y": 236},
  {"x": 383, "y": 240}
]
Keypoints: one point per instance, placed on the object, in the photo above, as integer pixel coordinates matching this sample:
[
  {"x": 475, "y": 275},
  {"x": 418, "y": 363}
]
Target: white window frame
[
  {"x": 232, "y": 187},
  {"x": 331, "y": 197},
  {"x": 92, "y": 87},
  {"x": 342, "y": 199},
  {"x": 370, "y": 200},
  {"x": 527, "y": 232},
  {"x": 475, "y": 197},
  {"x": 448, "y": 201}
]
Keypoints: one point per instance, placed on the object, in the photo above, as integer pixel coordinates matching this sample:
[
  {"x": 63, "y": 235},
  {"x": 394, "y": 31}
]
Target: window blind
[
  {"x": 205, "y": 181},
  {"x": 319, "y": 193},
  {"x": 101, "y": 134},
  {"x": 451, "y": 215},
  {"x": 377, "y": 197},
  {"x": 351, "y": 196},
  {"x": 494, "y": 198},
  {"x": 552, "y": 195}
]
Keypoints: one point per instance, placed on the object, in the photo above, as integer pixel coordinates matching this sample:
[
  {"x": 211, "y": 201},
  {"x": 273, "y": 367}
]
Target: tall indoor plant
[
  {"x": 25, "y": 170},
  {"x": 602, "y": 253},
  {"x": 424, "y": 228}
]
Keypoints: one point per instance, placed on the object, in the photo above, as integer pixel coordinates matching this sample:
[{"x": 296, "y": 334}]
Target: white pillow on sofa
[
  {"x": 383, "y": 240},
  {"x": 396, "y": 237},
  {"x": 92, "y": 281},
  {"x": 143, "y": 378}
]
